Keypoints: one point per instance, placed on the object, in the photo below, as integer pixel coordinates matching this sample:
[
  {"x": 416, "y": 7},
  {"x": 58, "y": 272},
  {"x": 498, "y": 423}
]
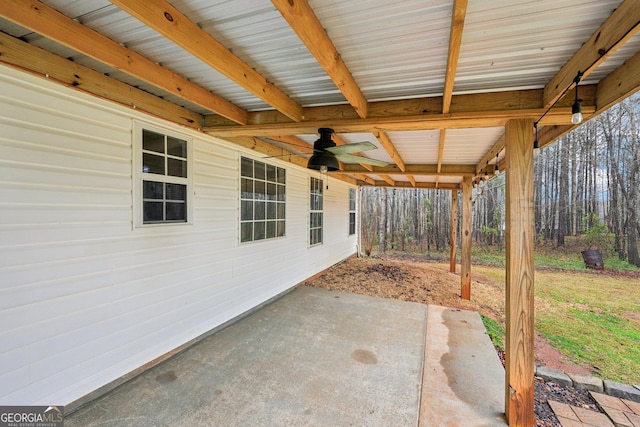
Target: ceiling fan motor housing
[
  {"x": 322, "y": 159},
  {"x": 325, "y": 140}
]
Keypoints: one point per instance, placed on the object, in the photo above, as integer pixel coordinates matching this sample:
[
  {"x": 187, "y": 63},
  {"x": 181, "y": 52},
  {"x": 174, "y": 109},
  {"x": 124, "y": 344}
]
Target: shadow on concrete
[{"x": 317, "y": 357}]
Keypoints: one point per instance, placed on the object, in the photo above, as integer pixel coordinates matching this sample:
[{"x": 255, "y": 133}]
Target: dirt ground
[{"x": 415, "y": 279}]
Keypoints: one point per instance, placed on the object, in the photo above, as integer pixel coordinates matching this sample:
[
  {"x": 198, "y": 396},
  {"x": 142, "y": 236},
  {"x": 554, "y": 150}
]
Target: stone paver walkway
[
  {"x": 573, "y": 416},
  {"x": 617, "y": 412},
  {"x": 623, "y": 413}
]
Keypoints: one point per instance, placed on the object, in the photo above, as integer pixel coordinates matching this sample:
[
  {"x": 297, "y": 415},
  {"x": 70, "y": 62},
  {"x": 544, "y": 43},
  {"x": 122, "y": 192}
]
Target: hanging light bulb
[
  {"x": 576, "y": 108},
  {"x": 536, "y": 143},
  {"x": 496, "y": 167},
  {"x": 576, "y": 112}
]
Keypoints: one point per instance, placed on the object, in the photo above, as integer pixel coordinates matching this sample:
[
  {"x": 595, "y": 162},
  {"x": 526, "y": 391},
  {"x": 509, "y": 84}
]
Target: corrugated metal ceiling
[{"x": 395, "y": 49}]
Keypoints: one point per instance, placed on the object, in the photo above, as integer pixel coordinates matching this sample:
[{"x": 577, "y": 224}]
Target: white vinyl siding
[{"x": 85, "y": 296}]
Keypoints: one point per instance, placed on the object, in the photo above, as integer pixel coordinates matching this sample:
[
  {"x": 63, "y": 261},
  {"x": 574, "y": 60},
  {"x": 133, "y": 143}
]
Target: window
[
  {"x": 162, "y": 175},
  {"x": 262, "y": 200},
  {"x": 315, "y": 209},
  {"x": 352, "y": 211}
]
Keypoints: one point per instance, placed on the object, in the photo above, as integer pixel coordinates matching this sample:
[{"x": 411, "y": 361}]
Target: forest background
[{"x": 587, "y": 189}]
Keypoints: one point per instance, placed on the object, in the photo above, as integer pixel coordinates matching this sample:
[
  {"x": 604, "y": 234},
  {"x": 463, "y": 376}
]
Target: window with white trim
[
  {"x": 162, "y": 174},
  {"x": 315, "y": 212},
  {"x": 262, "y": 200},
  {"x": 352, "y": 211}
]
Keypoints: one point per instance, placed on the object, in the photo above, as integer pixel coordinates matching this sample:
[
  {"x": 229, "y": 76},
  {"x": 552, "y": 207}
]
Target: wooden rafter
[
  {"x": 171, "y": 23},
  {"x": 440, "y": 154},
  {"x": 455, "y": 39},
  {"x": 56, "y": 26},
  {"x": 412, "y": 169},
  {"x": 621, "y": 83},
  {"x": 365, "y": 178},
  {"x": 388, "y": 180},
  {"x": 304, "y": 22},
  {"x": 16, "y": 53},
  {"x": 618, "y": 85},
  {"x": 406, "y": 184},
  {"x": 621, "y": 25},
  {"x": 412, "y": 180},
  {"x": 390, "y": 148},
  {"x": 270, "y": 150},
  {"x": 492, "y": 153}
]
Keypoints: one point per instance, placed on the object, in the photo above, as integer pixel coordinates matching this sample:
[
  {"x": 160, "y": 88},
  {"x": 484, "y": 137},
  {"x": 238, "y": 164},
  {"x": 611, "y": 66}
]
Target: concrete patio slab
[
  {"x": 463, "y": 382},
  {"x": 312, "y": 357}
]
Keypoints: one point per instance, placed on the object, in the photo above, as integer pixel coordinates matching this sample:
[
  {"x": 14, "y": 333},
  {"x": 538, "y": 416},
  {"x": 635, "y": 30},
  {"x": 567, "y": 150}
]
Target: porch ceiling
[{"x": 430, "y": 82}]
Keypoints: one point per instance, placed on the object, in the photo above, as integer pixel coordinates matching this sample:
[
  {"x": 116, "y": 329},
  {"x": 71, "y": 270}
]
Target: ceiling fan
[{"x": 326, "y": 154}]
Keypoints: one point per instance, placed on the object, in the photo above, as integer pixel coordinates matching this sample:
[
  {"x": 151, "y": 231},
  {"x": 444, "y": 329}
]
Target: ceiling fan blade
[
  {"x": 350, "y": 158},
  {"x": 356, "y": 147}
]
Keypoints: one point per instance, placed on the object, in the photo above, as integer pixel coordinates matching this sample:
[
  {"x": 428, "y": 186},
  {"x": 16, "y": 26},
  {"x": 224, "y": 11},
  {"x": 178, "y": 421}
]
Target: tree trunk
[{"x": 563, "y": 192}]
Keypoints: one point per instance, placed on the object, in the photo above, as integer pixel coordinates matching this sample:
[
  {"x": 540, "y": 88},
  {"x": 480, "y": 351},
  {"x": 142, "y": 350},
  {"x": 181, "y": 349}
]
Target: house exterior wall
[{"x": 85, "y": 296}]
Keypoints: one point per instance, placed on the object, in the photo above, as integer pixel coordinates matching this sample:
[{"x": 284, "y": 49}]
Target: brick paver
[
  {"x": 624, "y": 413},
  {"x": 572, "y": 416}
]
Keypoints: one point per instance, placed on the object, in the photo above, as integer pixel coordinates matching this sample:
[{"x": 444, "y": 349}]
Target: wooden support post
[
  {"x": 465, "y": 253},
  {"x": 454, "y": 230},
  {"x": 519, "y": 387}
]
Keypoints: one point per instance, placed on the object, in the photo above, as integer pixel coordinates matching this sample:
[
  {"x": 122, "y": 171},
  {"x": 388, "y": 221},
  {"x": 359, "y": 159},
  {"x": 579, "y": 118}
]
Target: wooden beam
[
  {"x": 174, "y": 25},
  {"x": 453, "y": 232},
  {"x": 455, "y": 38},
  {"x": 390, "y": 148},
  {"x": 263, "y": 147},
  {"x": 304, "y": 22},
  {"x": 557, "y": 115},
  {"x": 412, "y": 180},
  {"x": 465, "y": 254},
  {"x": 443, "y": 132},
  {"x": 388, "y": 180},
  {"x": 504, "y": 102},
  {"x": 416, "y": 170},
  {"x": 548, "y": 134},
  {"x": 365, "y": 178},
  {"x": 269, "y": 150},
  {"x": 406, "y": 184},
  {"x": 519, "y": 369},
  {"x": 621, "y": 25},
  {"x": 26, "y": 57},
  {"x": 52, "y": 24},
  {"x": 624, "y": 81},
  {"x": 495, "y": 150},
  {"x": 296, "y": 142}
]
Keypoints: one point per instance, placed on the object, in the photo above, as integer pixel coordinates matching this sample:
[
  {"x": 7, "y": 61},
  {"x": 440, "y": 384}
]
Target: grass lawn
[{"x": 593, "y": 318}]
